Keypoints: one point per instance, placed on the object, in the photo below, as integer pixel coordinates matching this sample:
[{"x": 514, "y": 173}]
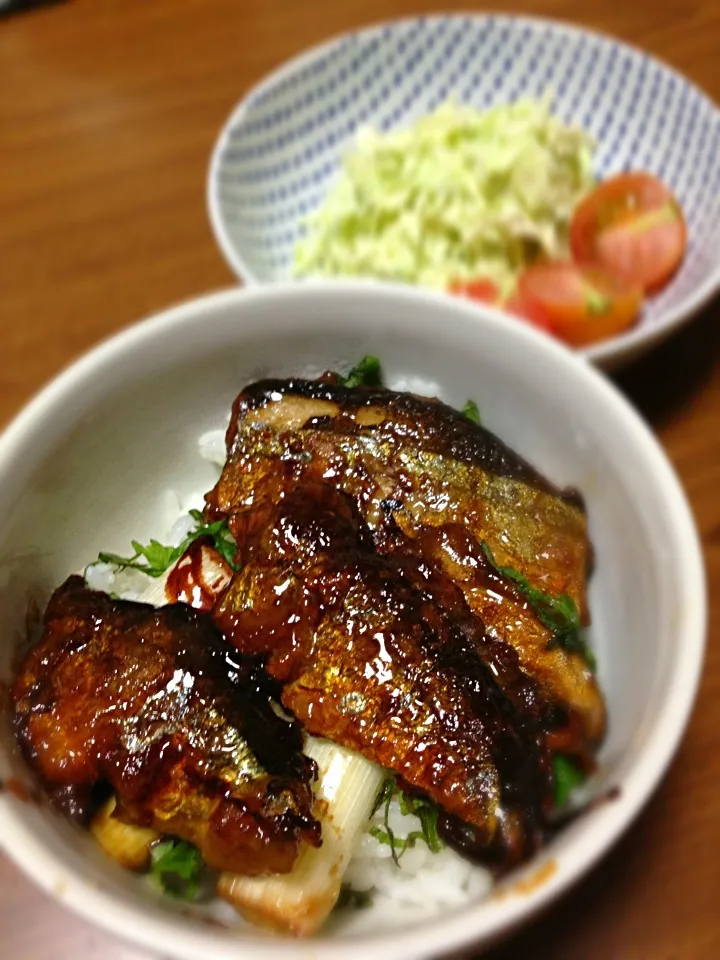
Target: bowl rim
[
  {"x": 607, "y": 353},
  {"x": 175, "y": 936}
]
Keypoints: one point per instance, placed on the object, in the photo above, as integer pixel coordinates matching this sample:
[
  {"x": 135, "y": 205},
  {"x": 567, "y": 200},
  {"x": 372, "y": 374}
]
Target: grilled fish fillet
[
  {"x": 154, "y": 704},
  {"x": 368, "y": 659},
  {"x": 421, "y": 472}
]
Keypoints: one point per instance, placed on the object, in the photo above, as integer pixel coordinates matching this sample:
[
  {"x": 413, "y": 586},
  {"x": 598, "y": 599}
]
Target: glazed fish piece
[
  {"x": 577, "y": 724},
  {"x": 384, "y": 446},
  {"x": 152, "y": 703},
  {"x": 371, "y": 662},
  {"x": 420, "y": 471}
]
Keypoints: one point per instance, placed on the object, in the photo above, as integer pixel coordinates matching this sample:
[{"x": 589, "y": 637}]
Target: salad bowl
[{"x": 281, "y": 150}]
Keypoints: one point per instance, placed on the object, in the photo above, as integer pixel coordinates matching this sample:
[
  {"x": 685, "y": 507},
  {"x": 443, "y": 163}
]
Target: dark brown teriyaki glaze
[
  {"x": 415, "y": 560},
  {"x": 371, "y": 660},
  {"x": 155, "y": 704},
  {"x": 574, "y": 716}
]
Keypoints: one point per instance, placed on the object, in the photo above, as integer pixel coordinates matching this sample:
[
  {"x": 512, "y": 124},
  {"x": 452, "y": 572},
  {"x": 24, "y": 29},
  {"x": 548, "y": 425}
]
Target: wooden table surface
[{"x": 108, "y": 112}]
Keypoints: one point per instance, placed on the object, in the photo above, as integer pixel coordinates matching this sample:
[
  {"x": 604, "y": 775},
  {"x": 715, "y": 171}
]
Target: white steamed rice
[{"x": 422, "y": 884}]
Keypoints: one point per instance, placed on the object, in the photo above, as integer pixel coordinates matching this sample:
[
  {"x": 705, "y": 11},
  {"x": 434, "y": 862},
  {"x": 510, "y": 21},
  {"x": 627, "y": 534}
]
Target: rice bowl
[{"x": 185, "y": 367}]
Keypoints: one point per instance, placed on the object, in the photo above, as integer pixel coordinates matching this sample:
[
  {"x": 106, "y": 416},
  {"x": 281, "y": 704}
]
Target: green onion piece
[
  {"x": 471, "y": 411},
  {"x": 367, "y": 373},
  {"x": 175, "y": 868},
  {"x": 567, "y": 776}
]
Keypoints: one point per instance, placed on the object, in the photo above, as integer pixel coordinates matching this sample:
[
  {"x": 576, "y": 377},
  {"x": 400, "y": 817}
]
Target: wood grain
[{"x": 108, "y": 112}]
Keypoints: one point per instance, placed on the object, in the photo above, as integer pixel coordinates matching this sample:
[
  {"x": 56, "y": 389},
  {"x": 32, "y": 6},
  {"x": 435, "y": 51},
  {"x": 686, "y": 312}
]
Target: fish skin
[
  {"x": 155, "y": 704},
  {"x": 435, "y": 464}
]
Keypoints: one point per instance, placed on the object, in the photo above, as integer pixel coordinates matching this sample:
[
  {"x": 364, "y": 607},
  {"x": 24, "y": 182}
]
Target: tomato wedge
[
  {"x": 480, "y": 289},
  {"x": 633, "y": 226},
  {"x": 485, "y": 291},
  {"x": 531, "y": 312},
  {"x": 582, "y": 304}
]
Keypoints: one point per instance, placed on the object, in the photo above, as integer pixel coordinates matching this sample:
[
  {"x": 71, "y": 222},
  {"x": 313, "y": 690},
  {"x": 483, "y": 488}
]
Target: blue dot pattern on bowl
[{"x": 284, "y": 146}]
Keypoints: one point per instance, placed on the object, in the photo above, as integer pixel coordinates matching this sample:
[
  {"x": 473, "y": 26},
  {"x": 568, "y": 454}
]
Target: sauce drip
[{"x": 199, "y": 577}]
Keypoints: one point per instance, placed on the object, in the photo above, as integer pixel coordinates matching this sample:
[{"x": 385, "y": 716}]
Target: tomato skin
[
  {"x": 632, "y": 225},
  {"x": 611, "y": 201},
  {"x": 649, "y": 248},
  {"x": 583, "y": 304},
  {"x": 481, "y": 289},
  {"x": 485, "y": 291},
  {"x": 532, "y": 313}
]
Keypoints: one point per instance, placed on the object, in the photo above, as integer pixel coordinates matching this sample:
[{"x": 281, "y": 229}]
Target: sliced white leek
[
  {"x": 129, "y": 845},
  {"x": 299, "y": 902}
]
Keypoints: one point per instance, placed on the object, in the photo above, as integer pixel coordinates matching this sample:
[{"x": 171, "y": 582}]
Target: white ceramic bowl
[
  {"x": 282, "y": 146},
  {"x": 86, "y": 466}
]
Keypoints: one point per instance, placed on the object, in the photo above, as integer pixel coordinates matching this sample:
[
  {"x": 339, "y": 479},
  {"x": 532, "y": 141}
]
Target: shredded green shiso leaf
[
  {"x": 154, "y": 558},
  {"x": 460, "y": 194},
  {"x": 559, "y": 614},
  {"x": 425, "y": 810}
]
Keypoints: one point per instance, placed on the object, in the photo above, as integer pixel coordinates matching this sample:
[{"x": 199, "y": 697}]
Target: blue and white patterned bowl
[{"x": 283, "y": 144}]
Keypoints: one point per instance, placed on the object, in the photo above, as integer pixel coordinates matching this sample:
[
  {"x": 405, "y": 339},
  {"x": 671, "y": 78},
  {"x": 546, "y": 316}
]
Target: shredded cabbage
[{"x": 458, "y": 195}]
